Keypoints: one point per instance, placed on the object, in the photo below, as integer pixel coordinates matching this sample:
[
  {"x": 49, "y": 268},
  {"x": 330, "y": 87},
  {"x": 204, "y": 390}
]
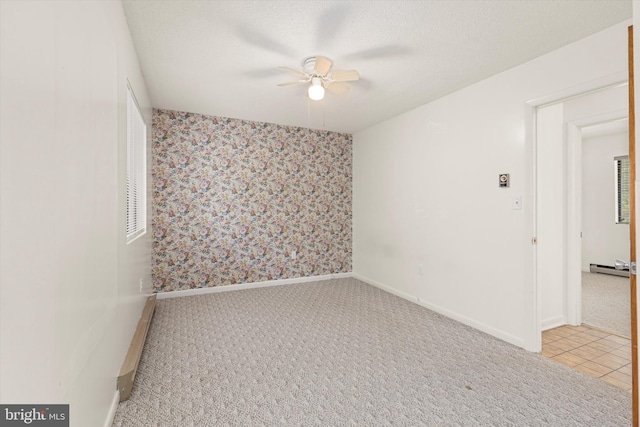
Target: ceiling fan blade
[
  {"x": 294, "y": 71},
  {"x": 322, "y": 65},
  {"x": 261, "y": 40},
  {"x": 292, "y": 83},
  {"x": 338, "y": 88},
  {"x": 344, "y": 76}
]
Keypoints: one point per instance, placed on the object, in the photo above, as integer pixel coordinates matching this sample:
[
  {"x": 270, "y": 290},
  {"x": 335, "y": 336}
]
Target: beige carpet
[
  {"x": 343, "y": 353},
  {"x": 606, "y": 303}
]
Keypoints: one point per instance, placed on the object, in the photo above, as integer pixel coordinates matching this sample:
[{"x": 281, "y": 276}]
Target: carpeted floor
[
  {"x": 341, "y": 352},
  {"x": 606, "y": 303}
]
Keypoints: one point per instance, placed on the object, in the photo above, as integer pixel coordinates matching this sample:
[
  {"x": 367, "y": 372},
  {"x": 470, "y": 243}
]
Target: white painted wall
[
  {"x": 425, "y": 191},
  {"x": 69, "y": 293},
  {"x": 603, "y": 241}
]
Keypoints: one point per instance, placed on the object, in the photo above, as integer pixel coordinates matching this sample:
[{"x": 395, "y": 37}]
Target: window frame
[{"x": 136, "y": 174}]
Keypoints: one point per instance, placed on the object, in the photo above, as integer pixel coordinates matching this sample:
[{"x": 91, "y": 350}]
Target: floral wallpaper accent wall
[{"x": 232, "y": 199}]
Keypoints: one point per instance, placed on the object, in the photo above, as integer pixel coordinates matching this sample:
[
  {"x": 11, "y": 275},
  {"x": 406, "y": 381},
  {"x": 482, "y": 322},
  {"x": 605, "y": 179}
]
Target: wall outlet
[
  {"x": 141, "y": 285},
  {"x": 294, "y": 254},
  {"x": 420, "y": 270}
]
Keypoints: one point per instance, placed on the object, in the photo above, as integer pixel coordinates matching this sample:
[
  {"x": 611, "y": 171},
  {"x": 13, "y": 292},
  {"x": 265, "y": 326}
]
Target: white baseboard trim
[
  {"x": 112, "y": 409},
  {"x": 511, "y": 339},
  {"x": 240, "y": 286},
  {"x": 553, "y": 322}
]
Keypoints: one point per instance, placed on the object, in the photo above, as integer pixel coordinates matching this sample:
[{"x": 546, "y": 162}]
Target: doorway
[
  {"x": 559, "y": 197},
  {"x": 605, "y": 227},
  {"x": 574, "y": 134}
]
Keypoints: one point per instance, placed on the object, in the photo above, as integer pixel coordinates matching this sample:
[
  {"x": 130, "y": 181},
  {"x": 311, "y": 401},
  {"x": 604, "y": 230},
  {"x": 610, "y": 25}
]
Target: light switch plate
[{"x": 517, "y": 203}]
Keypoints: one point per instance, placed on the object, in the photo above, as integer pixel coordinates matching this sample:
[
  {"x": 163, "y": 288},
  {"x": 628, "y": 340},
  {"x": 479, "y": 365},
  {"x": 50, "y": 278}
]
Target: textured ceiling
[{"x": 221, "y": 57}]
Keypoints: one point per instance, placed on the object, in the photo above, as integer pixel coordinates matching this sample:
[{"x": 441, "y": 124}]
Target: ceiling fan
[{"x": 317, "y": 70}]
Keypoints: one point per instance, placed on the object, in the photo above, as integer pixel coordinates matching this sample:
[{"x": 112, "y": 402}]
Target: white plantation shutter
[{"x": 136, "y": 169}]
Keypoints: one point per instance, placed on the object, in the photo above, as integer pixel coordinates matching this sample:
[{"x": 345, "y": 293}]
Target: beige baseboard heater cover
[{"x": 130, "y": 365}]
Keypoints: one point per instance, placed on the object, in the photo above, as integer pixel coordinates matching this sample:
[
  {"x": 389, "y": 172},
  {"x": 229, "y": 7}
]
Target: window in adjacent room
[
  {"x": 136, "y": 169},
  {"x": 622, "y": 189}
]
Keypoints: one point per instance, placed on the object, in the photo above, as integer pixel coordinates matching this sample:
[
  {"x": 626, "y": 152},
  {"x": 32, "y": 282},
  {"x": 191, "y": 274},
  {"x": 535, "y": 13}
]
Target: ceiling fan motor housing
[{"x": 309, "y": 65}]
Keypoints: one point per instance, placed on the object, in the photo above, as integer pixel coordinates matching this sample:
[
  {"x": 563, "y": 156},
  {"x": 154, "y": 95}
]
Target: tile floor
[{"x": 592, "y": 351}]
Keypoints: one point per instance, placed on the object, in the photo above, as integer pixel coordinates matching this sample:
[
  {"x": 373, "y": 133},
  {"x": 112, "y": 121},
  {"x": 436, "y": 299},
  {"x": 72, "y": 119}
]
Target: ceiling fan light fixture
[
  {"x": 317, "y": 71},
  {"x": 316, "y": 90}
]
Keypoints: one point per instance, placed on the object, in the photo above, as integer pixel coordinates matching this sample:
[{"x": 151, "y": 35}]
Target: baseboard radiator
[
  {"x": 607, "y": 269},
  {"x": 130, "y": 365}
]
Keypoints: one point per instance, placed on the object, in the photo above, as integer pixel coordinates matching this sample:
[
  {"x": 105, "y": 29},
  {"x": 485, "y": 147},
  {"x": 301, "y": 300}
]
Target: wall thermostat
[{"x": 503, "y": 180}]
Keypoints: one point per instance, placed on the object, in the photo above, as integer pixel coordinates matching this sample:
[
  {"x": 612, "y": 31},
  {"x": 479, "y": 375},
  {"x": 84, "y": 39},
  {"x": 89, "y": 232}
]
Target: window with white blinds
[
  {"x": 621, "y": 165},
  {"x": 136, "y": 169}
]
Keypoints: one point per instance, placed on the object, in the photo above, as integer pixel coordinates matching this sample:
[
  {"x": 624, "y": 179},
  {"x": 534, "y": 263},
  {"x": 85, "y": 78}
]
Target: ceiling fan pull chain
[{"x": 323, "y": 114}]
